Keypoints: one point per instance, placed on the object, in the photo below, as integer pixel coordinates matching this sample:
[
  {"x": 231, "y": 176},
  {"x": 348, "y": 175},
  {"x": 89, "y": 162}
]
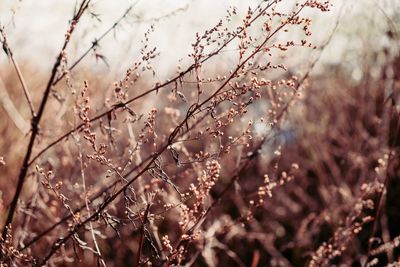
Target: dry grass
[{"x": 257, "y": 164}]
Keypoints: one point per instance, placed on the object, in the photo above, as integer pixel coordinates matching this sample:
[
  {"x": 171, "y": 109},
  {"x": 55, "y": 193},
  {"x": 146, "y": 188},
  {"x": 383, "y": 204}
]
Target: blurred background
[{"x": 28, "y": 23}]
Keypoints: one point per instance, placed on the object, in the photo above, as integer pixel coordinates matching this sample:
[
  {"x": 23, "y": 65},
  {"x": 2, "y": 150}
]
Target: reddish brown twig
[
  {"x": 36, "y": 119},
  {"x": 142, "y": 233}
]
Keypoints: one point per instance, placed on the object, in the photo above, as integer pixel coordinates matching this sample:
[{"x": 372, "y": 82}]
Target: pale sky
[{"x": 35, "y": 28}]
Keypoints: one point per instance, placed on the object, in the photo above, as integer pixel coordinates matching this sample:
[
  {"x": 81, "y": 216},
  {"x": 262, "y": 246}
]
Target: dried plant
[{"x": 235, "y": 160}]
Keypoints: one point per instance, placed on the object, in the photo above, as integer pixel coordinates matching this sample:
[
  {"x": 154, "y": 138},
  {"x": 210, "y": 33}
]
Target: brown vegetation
[{"x": 258, "y": 164}]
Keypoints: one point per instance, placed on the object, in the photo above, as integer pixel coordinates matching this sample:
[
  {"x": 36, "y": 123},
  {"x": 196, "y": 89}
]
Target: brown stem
[
  {"x": 21, "y": 79},
  {"x": 35, "y": 123},
  {"x": 154, "y": 89},
  {"x": 99, "y": 194},
  {"x": 173, "y": 135},
  {"x": 142, "y": 232}
]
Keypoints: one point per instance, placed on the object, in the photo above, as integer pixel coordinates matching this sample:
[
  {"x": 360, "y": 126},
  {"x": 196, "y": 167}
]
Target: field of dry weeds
[{"x": 274, "y": 141}]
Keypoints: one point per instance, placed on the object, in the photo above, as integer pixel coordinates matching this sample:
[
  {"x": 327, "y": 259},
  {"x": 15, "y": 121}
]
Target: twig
[
  {"x": 36, "y": 120},
  {"x": 12, "y": 111},
  {"x": 255, "y": 152},
  {"x": 96, "y": 42},
  {"x": 172, "y": 136},
  {"x": 142, "y": 232},
  {"x": 99, "y": 194},
  {"x": 82, "y": 167},
  {"x": 10, "y": 54},
  {"x": 154, "y": 89},
  {"x": 381, "y": 195}
]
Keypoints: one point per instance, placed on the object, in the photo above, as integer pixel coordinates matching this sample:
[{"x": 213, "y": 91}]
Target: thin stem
[
  {"x": 154, "y": 89},
  {"x": 142, "y": 232},
  {"x": 21, "y": 79},
  {"x": 56, "y": 245},
  {"x": 11, "y": 110},
  {"x": 36, "y": 120},
  {"x": 95, "y": 43}
]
